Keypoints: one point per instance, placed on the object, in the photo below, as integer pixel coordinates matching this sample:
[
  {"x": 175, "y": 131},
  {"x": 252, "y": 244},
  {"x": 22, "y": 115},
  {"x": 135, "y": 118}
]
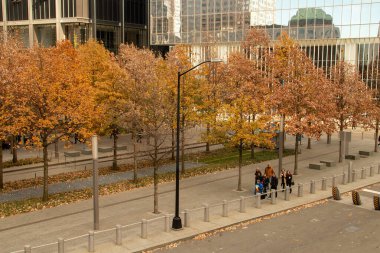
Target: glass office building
[
  {"x": 328, "y": 30},
  {"x": 47, "y": 21}
]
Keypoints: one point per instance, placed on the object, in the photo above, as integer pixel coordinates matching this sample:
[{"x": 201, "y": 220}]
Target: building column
[
  {"x": 5, "y": 18},
  {"x": 350, "y": 53},
  {"x": 32, "y": 35},
  {"x": 58, "y": 16}
]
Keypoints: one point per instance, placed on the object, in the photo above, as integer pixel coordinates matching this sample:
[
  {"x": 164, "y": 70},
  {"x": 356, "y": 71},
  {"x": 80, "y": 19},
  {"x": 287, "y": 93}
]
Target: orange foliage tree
[
  {"x": 60, "y": 101},
  {"x": 353, "y": 100},
  {"x": 299, "y": 92}
]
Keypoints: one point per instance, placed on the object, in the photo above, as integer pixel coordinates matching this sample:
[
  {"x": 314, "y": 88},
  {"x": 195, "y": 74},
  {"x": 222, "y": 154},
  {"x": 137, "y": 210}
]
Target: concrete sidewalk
[{"x": 45, "y": 226}]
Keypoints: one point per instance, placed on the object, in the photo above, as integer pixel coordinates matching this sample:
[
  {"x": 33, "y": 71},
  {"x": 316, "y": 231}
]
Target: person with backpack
[
  {"x": 289, "y": 180},
  {"x": 258, "y": 175},
  {"x": 274, "y": 183}
]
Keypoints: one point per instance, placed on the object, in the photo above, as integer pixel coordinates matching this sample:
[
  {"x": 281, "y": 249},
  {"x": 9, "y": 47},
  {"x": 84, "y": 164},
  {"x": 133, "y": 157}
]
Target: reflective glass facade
[{"x": 328, "y": 30}]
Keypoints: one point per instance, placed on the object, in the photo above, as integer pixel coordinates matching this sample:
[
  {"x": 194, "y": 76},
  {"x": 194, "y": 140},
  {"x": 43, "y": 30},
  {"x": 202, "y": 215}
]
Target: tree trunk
[
  {"x": 56, "y": 153},
  {"x": 340, "y": 140},
  {"x": 134, "y": 160},
  {"x": 328, "y": 138},
  {"x": 173, "y": 144},
  {"x": 45, "y": 195},
  {"x": 208, "y": 134},
  {"x": 114, "y": 163},
  {"x": 155, "y": 177},
  {"x": 295, "y": 172},
  {"x": 1, "y": 166},
  {"x": 240, "y": 164},
  {"x": 377, "y": 135},
  {"x": 14, "y": 149},
  {"x": 308, "y": 143},
  {"x": 252, "y": 151}
]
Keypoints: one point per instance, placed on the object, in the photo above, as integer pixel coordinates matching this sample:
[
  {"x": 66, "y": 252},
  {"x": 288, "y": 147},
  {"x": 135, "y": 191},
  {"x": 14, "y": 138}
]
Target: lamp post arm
[{"x": 181, "y": 74}]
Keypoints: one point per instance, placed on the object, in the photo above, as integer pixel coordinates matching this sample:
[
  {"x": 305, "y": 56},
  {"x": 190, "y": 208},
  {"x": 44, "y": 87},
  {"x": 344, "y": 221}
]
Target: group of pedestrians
[{"x": 269, "y": 181}]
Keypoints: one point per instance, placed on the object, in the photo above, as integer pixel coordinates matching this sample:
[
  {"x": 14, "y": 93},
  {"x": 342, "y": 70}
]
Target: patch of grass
[{"x": 21, "y": 162}]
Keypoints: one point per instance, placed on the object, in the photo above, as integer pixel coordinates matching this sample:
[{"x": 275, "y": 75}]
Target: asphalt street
[{"x": 329, "y": 227}]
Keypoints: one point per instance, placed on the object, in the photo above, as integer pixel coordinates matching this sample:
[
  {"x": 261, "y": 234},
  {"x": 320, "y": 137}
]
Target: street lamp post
[
  {"x": 177, "y": 223},
  {"x": 95, "y": 182}
]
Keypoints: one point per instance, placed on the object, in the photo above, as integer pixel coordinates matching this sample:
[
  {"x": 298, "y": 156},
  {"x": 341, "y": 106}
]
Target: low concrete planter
[
  {"x": 328, "y": 163},
  {"x": 352, "y": 157},
  {"x": 72, "y": 153},
  {"x": 105, "y": 149},
  {"x": 317, "y": 166}
]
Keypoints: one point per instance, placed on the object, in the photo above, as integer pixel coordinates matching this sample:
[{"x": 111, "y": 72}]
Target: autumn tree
[
  {"x": 11, "y": 93},
  {"x": 352, "y": 99},
  {"x": 60, "y": 100},
  {"x": 102, "y": 72},
  {"x": 299, "y": 92},
  {"x": 179, "y": 60}
]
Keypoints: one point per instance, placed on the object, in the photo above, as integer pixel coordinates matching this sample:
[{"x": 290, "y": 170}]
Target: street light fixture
[{"x": 177, "y": 223}]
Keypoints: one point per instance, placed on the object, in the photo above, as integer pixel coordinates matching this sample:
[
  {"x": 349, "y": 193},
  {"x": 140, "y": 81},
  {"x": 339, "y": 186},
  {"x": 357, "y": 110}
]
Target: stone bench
[
  {"x": 328, "y": 163},
  {"x": 121, "y": 147},
  {"x": 105, "y": 149},
  {"x": 352, "y": 157},
  {"x": 365, "y": 153},
  {"x": 317, "y": 166},
  {"x": 86, "y": 151},
  {"x": 71, "y": 153}
]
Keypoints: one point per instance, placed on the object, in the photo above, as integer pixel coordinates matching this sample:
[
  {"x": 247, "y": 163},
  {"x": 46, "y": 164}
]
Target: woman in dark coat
[
  {"x": 282, "y": 176},
  {"x": 289, "y": 179}
]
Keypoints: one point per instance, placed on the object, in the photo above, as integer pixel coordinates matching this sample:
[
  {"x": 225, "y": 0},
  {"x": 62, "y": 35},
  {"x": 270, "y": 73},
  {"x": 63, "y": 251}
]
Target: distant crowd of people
[{"x": 269, "y": 181}]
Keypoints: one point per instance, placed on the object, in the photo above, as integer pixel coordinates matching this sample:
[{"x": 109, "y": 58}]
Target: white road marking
[{"x": 370, "y": 191}]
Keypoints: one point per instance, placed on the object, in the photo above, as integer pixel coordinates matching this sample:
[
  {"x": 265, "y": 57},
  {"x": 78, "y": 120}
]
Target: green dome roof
[{"x": 311, "y": 13}]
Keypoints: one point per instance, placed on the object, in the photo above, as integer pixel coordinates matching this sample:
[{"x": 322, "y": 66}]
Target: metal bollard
[
  {"x": 344, "y": 178},
  {"x": 364, "y": 172},
  {"x": 225, "y": 208},
  {"x": 324, "y": 183},
  {"x": 333, "y": 181},
  {"x": 372, "y": 171},
  {"x": 144, "y": 229},
  {"x": 312, "y": 186},
  {"x": 273, "y": 197},
  {"x": 27, "y": 249},
  {"x": 287, "y": 193},
  {"x": 258, "y": 200},
  {"x": 187, "y": 218},
  {"x": 61, "y": 245},
  {"x": 206, "y": 213},
  {"x": 350, "y": 171},
  {"x": 91, "y": 241},
  {"x": 167, "y": 222},
  {"x": 300, "y": 190},
  {"x": 242, "y": 204},
  {"x": 353, "y": 176},
  {"x": 118, "y": 235}
]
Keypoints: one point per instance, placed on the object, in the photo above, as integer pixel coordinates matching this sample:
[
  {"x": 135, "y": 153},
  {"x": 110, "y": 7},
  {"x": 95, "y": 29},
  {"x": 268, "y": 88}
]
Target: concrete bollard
[
  {"x": 61, "y": 245},
  {"x": 333, "y": 181},
  {"x": 324, "y": 183},
  {"x": 27, "y": 249},
  {"x": 167, "y": 223},
  {"x": 206, "y": 217},
  {"x": 187, "y": 218},
  {"x": 287, "y": 193},
  {"x": 242, "y": 204},
  {"x": 225, "y": 208},
  {"x": 91, "y": 241},
  {"x": 273, "y": 197},
  {"x": 372, "y": 171},
  {"x": 363, "y": 172},
  {"x": 118, "y": 235},
  {"x": 258, "y": 200},
  {"x": 353, "y": 176},
  {"x": 344, "y": 178},
  {"x": 144, "y": 229},
  {"x": 312, "y": 186},
  {"x": 300, "y": 190}
]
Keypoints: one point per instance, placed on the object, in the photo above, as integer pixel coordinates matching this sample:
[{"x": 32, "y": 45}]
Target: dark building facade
[{"x": 48, "y": 21}]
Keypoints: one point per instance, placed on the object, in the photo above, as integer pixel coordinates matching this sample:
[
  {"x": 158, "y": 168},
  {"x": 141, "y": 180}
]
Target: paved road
[{"x": 331, "y": 227}]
